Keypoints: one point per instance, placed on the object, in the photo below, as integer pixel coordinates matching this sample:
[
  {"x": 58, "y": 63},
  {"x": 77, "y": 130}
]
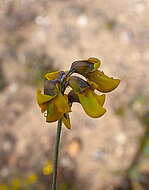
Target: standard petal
[
  {"x": 102, "y": 82},
  {"x": 90, "y": 104},
  {"x": 82, "y": 67},
  {"x": 85, "y": 66},
  {"x": 51, "y": 87},
  {"x": 43, "y": 98},
  {"x": 66, "y": 120}
]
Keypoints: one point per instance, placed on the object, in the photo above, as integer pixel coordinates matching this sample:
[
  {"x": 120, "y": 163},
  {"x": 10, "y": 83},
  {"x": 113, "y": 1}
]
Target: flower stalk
[
  {"x": 56, "y": 153},
  {"x": 57, "y": 143}
]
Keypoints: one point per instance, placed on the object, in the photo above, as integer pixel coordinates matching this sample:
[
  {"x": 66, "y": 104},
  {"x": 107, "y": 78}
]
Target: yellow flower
[
  {"x": 56, "y": 104},
  {"x": 48, "y": 168},
  {"x": 97, "y": 79},
  {"x": 16, "y": 183},
  {"x": 32, "y": 179},
  {"x": 53, "y": 101},
  {"x": 90, "y": 101}
]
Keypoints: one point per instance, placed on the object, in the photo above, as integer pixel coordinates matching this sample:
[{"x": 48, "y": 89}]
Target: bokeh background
[{"x": 39, "y": 36}]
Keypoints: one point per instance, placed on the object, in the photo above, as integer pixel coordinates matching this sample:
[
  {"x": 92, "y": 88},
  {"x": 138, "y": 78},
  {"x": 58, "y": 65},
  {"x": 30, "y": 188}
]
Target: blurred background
[{"x": 110, "y": 153}]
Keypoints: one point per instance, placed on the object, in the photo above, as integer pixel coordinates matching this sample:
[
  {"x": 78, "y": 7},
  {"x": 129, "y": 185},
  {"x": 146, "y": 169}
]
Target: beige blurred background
[{"x": 39, "y": 36}]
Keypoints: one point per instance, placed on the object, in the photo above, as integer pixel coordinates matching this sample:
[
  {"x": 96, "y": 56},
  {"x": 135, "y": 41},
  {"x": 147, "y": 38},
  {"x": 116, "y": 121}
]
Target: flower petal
[
  {"x": 96, "y": 62},
  {"x": 102, "y": 82},
  {"x": 77, "y": 84},
  {"x": 53, "y": 113},
  {"x": 90, "y": 104},
  {"x": 73, "y": 97},
  {"x": 85, "y": 66},
  {"x": 43, "y": 98},
  {"x": 52, "y": 75},
  {"x": 66, "y": 120},
  {"x": 62, "y": 103},
  {"x": 57, "y": 107},
  {"x": 100, "y": 98},
  {"x": 44, "y": 107},
  {"x": 51, "y": 87}
]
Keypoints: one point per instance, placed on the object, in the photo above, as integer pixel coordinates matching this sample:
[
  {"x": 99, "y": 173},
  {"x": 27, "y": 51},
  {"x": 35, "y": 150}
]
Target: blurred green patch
[
  {"x": 136, "y": 177},
  {"x": 65, "y": 186},
  {"x": 141, "y": 99},
  {"x": 36, "y": 65},
  {"x": 3, "y": 82},
  {"x": 14, "y": 41},
  {"x": 120, "y": 111},
  {"x": 139, "y": 104},
  {"x": 145, "y": 118},
  {"x": 110, "y": 24},
  {"x": 146, "y": 148}
]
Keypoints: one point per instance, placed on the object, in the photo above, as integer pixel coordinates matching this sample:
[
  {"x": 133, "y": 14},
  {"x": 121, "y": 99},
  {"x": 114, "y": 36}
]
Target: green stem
[
  {"x": 139, "y": 153},
  {"x": 55, "y": 161}
]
